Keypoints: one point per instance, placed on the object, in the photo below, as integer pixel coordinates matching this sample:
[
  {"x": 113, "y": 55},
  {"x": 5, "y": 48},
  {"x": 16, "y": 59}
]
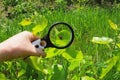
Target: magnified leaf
[
  {"x": 61, "y": 38},
  {"x": 64, "y": 35}
]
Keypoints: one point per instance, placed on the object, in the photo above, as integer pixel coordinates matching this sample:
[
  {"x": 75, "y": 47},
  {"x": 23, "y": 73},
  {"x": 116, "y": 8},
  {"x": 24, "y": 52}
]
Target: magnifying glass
[{"x": 60, "y": 36}]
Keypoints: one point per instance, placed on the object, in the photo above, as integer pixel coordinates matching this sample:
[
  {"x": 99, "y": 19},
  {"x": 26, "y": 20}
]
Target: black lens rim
[{"x": 72, "y": 32}]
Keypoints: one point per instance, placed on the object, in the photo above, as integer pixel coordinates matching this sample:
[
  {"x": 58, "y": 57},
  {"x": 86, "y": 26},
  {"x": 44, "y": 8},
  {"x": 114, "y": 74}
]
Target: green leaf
[
  {"x": 35, "y": 62},
  {"x": 40, "y": 23},
  {"x": 25, "y": 22},
  {"x": 88, "y": 78},
  {"x": 21, "y": 72},
  {"x": 112, "y": 62},
  {"x": 118, "y": 45},
  {"x": 73, "y": 65},
  {"x": 118, "y": 64},
  {"x": 9, "y": 64},
  {"x": 102, "y": 40},
  {"x": 59, "y": 73},
  {"x": 74, "y": 57},
  {"x": 75, "y": 62},
  {"x": 75, "y": 77},
  {"x": 2, "y": 76},
  {"x": 50, "y": 52},
  {"x": 113, "y": 25},
  {"x": 58, "y": 1},
  {"x": 72, "y": 54},
  {"x": 37, "y": 28}
]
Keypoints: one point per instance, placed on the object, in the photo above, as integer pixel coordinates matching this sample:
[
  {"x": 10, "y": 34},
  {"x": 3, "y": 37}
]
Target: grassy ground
[{"x": 87, "y": 22}]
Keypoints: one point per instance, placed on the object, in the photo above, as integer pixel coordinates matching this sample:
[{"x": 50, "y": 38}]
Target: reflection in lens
[{"x": 60, "y": 35}]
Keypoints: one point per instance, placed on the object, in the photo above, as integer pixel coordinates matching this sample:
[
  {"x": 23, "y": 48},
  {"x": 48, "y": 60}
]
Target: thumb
[{"x": 39, "y": 52}]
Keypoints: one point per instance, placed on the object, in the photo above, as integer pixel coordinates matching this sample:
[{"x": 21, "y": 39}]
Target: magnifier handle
[{"x": 39, "y": 43}]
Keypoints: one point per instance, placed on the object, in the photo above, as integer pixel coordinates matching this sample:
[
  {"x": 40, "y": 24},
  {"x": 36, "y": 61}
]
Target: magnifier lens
[{"x": 60, "y": 35}]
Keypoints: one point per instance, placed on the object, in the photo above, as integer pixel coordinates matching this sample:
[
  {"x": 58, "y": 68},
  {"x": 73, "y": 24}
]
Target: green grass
[{"x": 87, "y": 22}]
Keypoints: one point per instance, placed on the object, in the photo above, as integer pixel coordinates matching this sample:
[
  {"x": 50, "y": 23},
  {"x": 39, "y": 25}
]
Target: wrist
[{"x": 4, "y": 52}]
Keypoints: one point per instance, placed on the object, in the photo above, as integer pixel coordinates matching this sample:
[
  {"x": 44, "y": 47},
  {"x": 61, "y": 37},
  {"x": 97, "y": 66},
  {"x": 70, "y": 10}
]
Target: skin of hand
[{"x": 19, "y": 46}]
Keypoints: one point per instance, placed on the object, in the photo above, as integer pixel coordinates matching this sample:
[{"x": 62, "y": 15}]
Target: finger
[
  {"x": 37, "y": 52},
  {"x": 40, "y": 52},
  {"x": 33, "y": 37},
  {"x": 30, "y": 36}
]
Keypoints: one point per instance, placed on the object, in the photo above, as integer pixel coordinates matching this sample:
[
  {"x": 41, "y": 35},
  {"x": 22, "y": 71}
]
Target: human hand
[{"x": 20, "y": 45}]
